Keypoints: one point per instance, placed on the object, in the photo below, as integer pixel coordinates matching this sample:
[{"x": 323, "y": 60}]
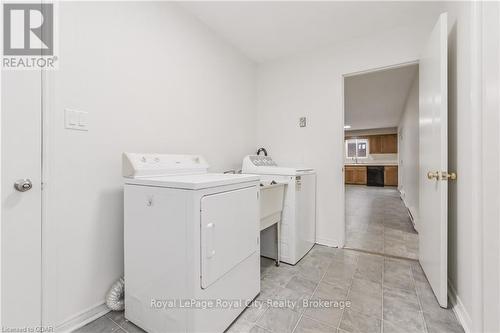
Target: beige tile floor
[
  {"x": 384, "y": 295},
  {"x": 377, "y": 221}
]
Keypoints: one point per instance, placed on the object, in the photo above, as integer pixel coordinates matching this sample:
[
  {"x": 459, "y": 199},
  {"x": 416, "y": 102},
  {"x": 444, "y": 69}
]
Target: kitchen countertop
[{"x": 372, "y": 164}]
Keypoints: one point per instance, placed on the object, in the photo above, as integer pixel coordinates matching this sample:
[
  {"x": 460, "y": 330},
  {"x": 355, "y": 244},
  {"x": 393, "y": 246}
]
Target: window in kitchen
[{"x": 356, "y": 148}]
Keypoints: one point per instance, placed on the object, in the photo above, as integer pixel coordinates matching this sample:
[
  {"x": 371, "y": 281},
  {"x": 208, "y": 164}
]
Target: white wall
[
  {"x": 311, "y": 85},
  {"x": 491, "y": 166},
  {"x": 408, "y": 152},
  {"x": 153, "y": 79}
]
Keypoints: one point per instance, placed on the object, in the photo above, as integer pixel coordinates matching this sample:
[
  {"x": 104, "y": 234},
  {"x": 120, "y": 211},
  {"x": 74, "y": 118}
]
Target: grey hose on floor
[{"x": 115, "y": 298}]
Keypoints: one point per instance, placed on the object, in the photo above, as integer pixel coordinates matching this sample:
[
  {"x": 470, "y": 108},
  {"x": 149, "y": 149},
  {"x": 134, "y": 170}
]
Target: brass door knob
[
  {"x": 433, "y": 175},
  {"x": 448, "y": 176}
]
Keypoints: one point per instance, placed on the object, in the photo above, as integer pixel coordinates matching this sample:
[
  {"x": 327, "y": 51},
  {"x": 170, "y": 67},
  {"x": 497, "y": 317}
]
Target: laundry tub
[{"x": 271, "y": 208}]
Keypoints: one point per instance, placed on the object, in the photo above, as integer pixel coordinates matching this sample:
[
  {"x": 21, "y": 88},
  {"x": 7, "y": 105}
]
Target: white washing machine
[
  {"x": 298, "y": 226},
  {"x": 191, "y": 241}
]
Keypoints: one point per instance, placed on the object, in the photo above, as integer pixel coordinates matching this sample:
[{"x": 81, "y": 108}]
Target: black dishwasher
[{"x": 375, "y": 176}]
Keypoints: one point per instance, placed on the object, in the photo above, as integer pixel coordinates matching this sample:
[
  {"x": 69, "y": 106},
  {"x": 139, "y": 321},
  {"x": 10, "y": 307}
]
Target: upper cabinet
[
  {"x": 375, "y": 144},
  {"x": 389, "y": 144},
  {"x": 383, "y": 144}
]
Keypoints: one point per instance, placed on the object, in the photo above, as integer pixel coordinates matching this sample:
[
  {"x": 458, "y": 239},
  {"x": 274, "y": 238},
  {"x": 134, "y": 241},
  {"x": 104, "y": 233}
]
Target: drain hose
[{"x": 115, "y": 297}]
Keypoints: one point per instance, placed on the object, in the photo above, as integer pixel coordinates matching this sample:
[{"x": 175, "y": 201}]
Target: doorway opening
[{"x": 381, "y": 161}]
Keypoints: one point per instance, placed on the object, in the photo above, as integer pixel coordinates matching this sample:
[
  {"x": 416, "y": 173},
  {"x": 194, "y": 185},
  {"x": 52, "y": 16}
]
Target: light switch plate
[
  {"x": 302, "y": 122},
  {"x": 76, "y": 120}
]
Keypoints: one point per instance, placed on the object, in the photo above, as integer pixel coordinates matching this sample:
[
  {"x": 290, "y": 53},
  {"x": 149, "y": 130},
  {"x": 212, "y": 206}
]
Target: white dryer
[
  {"x": 191, "y": 241},
  {"x": 298, "y": 226}
]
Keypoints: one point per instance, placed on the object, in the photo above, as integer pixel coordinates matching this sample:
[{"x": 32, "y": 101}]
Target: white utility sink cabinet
[{"x": 271, "y": 208}]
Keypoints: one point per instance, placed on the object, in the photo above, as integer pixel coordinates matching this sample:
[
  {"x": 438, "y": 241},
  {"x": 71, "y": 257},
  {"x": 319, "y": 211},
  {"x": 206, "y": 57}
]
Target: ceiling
[
  {"x": 265, "y": 30},
  {"x": 377, "y": 99}
]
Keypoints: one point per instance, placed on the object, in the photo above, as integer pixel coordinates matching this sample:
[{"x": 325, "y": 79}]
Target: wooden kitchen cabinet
[
  {"x": 355, "y": 175},
  {"x": 389, "y": 144},
  {"x": 348, "y": 175},
  {"x": 374, "y": 143},
  {"x": 391, "y": 176},
  {"x": 383, "y": 144}
]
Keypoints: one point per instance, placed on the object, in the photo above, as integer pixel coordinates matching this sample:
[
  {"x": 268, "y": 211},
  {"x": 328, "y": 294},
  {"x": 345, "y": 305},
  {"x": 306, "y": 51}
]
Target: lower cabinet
[
  {"x": 355, "y": 175},
  {"x": 391, "y": 176}
]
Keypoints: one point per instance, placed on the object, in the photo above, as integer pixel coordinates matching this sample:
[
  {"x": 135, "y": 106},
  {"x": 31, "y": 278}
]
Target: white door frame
[
  {"x": 485, "y": 100},
  {"x": 476, "y": 130},
  {"x": 46, "y": 247},
  {"x": 342, "y": 237}
]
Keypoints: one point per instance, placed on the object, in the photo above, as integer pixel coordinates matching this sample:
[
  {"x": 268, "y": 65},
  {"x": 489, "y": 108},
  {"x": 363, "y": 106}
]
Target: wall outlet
[
  {"x": 76, "y": 120},
  {"x": 302, "y": 121}
]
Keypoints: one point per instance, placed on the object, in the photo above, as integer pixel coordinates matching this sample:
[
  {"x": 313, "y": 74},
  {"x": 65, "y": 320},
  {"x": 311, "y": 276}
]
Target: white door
[
  {"x": 20, "y": 260},
  {"x": 228, "y": 221},
  {"x": 433, "y": 227}
]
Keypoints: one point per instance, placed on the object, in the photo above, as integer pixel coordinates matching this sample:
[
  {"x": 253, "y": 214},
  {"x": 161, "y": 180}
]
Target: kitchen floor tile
[{"x": 377, "y": 221}]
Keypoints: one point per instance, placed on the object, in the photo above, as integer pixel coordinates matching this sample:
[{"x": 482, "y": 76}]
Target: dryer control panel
[{"x": 136, "y": 165}]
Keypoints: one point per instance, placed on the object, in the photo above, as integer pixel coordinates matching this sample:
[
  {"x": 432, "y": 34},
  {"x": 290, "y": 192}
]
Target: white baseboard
[
  {"x": 82, "y": 319},
  {"x": 459, "y": 309},
  {"x": 327, "y": 242},
  {"x": 413, "y": 214}
]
